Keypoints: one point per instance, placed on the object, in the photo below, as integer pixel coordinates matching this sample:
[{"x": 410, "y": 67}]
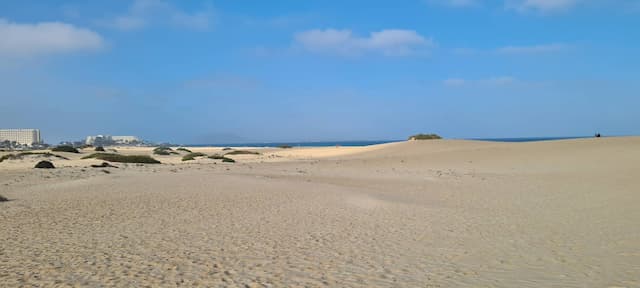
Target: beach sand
[{"x": 436, "y": 213}]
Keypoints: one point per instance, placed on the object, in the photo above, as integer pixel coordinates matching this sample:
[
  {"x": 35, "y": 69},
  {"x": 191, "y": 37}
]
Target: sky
[{"x": 197, "y": 72}]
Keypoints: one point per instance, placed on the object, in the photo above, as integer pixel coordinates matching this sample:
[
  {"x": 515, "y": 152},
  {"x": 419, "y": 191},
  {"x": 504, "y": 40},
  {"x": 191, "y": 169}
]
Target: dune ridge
[{"x": 436, "y": 213}]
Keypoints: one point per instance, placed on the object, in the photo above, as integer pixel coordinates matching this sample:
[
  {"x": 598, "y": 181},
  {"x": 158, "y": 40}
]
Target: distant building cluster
[
  {"x": 26, "y": 139},
  {"x": 20, "y": 137},
  {"x": 105, "y": 140}
]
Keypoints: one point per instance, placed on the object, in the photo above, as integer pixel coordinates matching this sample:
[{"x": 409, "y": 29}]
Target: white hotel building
[
  {"x": 21, "y": 136},
  {"x": 110, "y": 140}
]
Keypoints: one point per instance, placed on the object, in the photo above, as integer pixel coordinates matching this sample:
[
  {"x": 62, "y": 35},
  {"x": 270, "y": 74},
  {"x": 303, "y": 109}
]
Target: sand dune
[{"x": 441, "y": 213}]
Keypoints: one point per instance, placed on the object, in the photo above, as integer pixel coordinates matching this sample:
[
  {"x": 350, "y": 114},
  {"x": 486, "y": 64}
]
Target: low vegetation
[
  {"x": 103, "y": 165},
  {"x": 144, "y": 159},
  {"x": 3, "y": 199},
  {"x": 44, "y": 165},
  {"x": 285, "y": 146},
  {"x": 9, "y": 157},
  {"x": 162, "y": 148},
  {"x": 226, "y": 148},
  {"x": 164, "y": 151},
  {"x": 216, "y": 157},
  {"x": 220, "y": 157},
  {"x": 65, "y": 148},
  {"x": 27, "y": 153},
  {"x": 99, "y": 149},
  {"x": 192, "y": 156},
  {"x": 425, "y": 137},
  {"x": 241, "y": 152},
  {"x": 184, "y": 150}
]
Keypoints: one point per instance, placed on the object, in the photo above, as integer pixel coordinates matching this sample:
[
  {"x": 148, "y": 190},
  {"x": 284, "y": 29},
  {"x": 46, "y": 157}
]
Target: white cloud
[
  {"x": 388, "y": 42},
  {"x": 143, "y": 13},
  {"x": 533, "y": 49},
  {"x": 44, "y": 38},
  {"x": 542, "y": 5}
]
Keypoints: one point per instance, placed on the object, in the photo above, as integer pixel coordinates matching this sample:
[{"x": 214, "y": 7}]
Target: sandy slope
[{"x": 414, "y": 214}]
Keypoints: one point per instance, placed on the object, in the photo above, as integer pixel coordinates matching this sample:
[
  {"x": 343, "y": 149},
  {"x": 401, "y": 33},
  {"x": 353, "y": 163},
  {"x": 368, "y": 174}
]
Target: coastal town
[{"x": 28, "y": 139}]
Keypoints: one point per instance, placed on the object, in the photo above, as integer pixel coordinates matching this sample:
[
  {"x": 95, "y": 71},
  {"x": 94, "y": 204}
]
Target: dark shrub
[
  {"x": 99, "y": 149},
  {"x": 9, "y": 157},
  {"x": 65, "y": 148},
  {"x": 192, "y": 156},
  {"x": 3, "y": 199},
  {"x": 216, "y": 156},
  {"x": 285, "y": 146},
  {"x": 44, "y": 165},
  {"x": 123, "y": 158},
  {"x": 103, "y": 165},
  {"x": 164, "y": 151},
  {"x": 220, "y": 157},
  {"x": 184, "y": 150},
  {"x": 425, "y": 137},
  {"x": 240, "y": 152},
  {"x": 226, "y": 148}
]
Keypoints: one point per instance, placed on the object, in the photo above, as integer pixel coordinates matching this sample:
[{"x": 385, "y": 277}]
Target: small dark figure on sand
[{"x": 597, "y": 135}]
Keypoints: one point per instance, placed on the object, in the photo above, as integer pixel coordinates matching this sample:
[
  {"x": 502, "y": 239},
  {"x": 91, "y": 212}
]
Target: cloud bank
[
  {"x": 17, "y": 39},
  {"x": 391, "y": 42},
  {"x": 144, "y": 13}
]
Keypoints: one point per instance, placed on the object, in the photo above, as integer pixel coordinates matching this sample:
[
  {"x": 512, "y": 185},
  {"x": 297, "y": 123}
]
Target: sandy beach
[{"x": 436, "y": 213}]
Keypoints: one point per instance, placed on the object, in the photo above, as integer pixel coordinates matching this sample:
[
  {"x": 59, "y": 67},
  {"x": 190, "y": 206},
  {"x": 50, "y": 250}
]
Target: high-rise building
[
  {"x": 125, "y": 139},
  {"x": 21, "y": 136},
  {"x": 111, "y": 140}
]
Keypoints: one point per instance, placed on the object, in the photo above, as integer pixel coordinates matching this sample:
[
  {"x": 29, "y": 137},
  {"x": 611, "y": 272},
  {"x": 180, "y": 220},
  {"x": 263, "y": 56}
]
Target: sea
[{"x": 373, "y": 142}]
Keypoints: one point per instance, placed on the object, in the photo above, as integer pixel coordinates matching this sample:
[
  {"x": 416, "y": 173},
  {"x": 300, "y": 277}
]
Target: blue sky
[{"x": 229, "y": 71}]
